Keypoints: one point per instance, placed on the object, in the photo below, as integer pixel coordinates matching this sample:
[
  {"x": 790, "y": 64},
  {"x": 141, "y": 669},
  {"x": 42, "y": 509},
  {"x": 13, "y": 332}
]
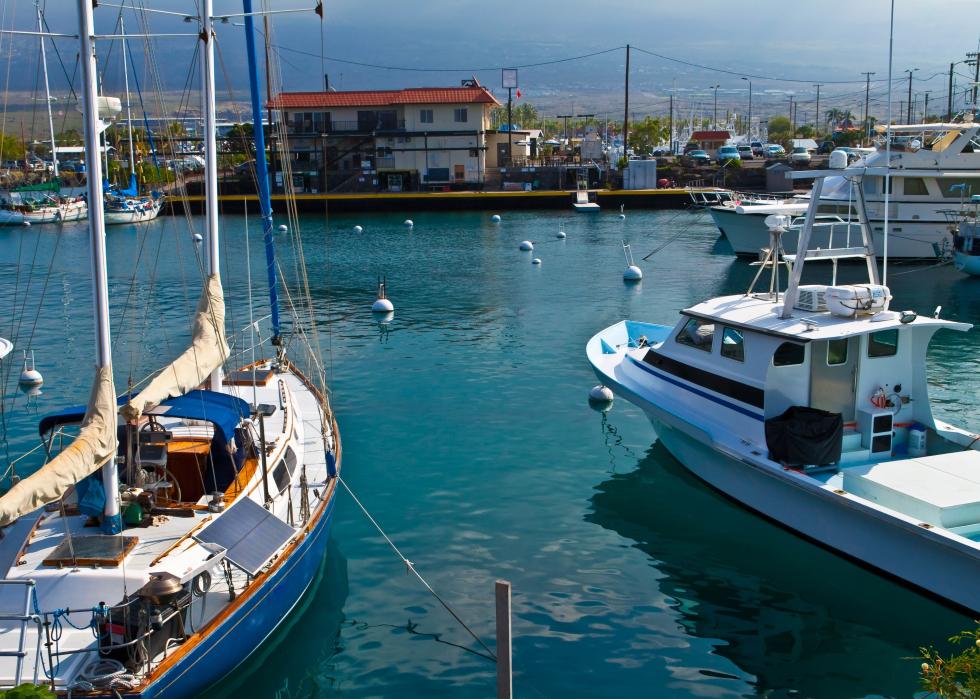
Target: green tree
[
  {"x": 12, "y": 148},
  {"x": 780, "y": 130},
  {"x": 647, "y": 133},
  {"x": 806, "y": 131}
]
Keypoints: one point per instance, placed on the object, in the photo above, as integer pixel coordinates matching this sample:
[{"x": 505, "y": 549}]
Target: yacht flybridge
[
  {"x": 811, "y": 407},
  {"x": 927, "y": 161}
]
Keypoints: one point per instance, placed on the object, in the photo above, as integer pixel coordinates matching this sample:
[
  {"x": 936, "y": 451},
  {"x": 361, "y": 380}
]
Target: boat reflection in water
[{"x": 797, "y": 617}]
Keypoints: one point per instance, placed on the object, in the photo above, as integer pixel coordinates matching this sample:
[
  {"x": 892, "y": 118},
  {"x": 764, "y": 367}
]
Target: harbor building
[{"x": 386, "y": 140}]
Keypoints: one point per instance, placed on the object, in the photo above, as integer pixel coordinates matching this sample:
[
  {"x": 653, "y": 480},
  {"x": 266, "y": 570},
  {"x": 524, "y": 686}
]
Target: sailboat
[
  {"x": 42, "y": 203},
  {"x": 126, "y": 205},
  {"x": 212, "y": 492},
  {"x": 811, "y": 407}
]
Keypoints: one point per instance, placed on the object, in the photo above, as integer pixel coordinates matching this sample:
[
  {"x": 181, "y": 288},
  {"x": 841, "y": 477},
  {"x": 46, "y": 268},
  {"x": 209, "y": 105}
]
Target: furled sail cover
[
  {"x": 207, "y": 352},
  {"x": 93, "y": 447}
]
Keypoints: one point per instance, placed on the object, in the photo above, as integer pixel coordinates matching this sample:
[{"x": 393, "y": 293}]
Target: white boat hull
[
  {"x": 73, "y": 211},
  {"x": 137, "y": 214},
  {"x": 748, "y": 234},
  {"x": 11, "y": 218},
  {"x": 590, "y": 208}
]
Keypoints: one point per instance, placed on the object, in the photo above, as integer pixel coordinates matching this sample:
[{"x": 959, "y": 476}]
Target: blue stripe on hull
[{"x": 241, "y": 634}]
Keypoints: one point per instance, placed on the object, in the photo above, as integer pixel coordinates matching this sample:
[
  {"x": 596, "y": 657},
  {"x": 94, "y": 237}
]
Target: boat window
[
  {"x": 697, "y": 333},
  {"x": 788, "y": 354},
  {"x": 732, "y": 345},
  {"x": 949, "y": 191},
  {"x": 915, "y": 186},
  {"x": 872, "y": 185},
  {"x": 837, "y": 351},
  {"x": 883, "y": 343}
]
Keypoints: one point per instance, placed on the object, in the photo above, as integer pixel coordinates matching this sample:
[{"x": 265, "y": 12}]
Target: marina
[{"x": 408, "y": 386}]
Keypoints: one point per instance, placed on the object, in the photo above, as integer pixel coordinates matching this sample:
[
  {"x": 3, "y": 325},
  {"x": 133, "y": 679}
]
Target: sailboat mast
[
  {"x": 129, "y": 114},
  {"x": 112, "y": 521},
  {"x": 47, "y": 90},
  {"x": 262, "y": 169},
  {"x": 210, "y": 153}
]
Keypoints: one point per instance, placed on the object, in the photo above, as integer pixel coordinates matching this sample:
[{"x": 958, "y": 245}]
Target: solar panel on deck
[{"x": 249, "y": 532}]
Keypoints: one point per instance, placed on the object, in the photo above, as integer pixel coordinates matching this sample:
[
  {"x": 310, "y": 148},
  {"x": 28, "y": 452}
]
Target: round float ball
[
  {"x": 526, "y": 246},
  {"x": 536, "y": 261},
  {"x": 561, "y": 235},
  {"x": 601, "y": 394},
  {"x": 358, "y": 229},
  {"x": 409, "y": 223},
  {"x": 382, "y": 306},
  {"x": 622, "y": 217},
  {"x": 31, "y": 377},
  {"x": 198, "y": 237},
  {"x": 27, "y": 223},
  {"x": 283, "y": 228},
  {"x": 633, "y": 274},
  {"x": 495, "y": 218}
]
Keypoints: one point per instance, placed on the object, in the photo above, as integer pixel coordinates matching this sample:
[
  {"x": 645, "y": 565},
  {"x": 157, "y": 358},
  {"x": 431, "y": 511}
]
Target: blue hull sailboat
[{"x": 157, "y": 550}]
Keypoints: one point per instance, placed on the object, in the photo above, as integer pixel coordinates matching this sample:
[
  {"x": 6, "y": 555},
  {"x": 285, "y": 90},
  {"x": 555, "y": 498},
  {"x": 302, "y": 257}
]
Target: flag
[{"x": 518, "y": 93}]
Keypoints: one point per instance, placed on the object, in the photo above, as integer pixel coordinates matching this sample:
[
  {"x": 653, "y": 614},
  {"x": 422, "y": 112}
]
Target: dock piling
[{"x": 505, "y": 680}]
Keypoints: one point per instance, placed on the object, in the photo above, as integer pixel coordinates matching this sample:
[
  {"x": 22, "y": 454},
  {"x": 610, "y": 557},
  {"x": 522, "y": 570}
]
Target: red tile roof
[
  {"x": 383, "y": 98},
  {"x": 710, "y": 135}
]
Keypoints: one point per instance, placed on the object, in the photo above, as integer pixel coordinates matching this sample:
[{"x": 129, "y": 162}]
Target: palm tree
[{"x": 833, "y": 116}]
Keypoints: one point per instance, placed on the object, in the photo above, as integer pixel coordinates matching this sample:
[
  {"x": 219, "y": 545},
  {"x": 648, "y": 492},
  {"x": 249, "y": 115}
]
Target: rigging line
[
  {"x": 672, "y": 239},
  {"x": 411, "y": 567},
  {"x": 57, "y": 53},
  {"x": 450, "y": 70}
]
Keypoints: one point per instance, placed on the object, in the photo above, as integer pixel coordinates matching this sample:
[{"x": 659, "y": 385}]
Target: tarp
[
  {"x": 207, "y": 352},
  {"x": 52, "y": 186},
  {"x": 222, "y": 410},
  {"x": 133, "y": 190},
  {"x": 93, "y": 447}
]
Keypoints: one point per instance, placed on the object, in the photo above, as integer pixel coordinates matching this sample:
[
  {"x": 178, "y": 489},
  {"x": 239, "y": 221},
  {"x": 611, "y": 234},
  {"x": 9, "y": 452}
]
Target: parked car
[
  {"x": 799, "y": 156},
  {"x": 691, "y": 146},
  {"x": 826, "y": 147},
  {"x": 726, "y": 153},
  {"x": 745, "y": 153},
  {"x": 774, "y": 150},
  {"x": 758, "y": 148},
  {"x": 661, "y": 152},
  {"x": 698, "y": 157}
]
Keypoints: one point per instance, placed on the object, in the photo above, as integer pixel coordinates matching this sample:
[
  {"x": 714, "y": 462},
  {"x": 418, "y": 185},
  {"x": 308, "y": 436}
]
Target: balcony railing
[{"x": 352, "y": 126}]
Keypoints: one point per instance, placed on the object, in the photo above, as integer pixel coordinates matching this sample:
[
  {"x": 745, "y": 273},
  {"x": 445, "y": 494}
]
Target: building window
[
  {"x": 697, "y": 333},
  {"x": 732, "y": 345},
  {"x": 474, "y": 152},
  {"x": 788, "y": 354},
  {"x": 883, "y": 343},
  {"x": 915, "y": 186},
  {"x": 460, "y": 114},
  {"x": 837, "y": 352},
  {"x": 425, "y": 116}
]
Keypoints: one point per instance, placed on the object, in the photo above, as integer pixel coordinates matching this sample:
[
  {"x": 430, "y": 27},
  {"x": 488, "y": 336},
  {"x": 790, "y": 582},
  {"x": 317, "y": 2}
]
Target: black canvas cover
[{"x": 805, "y": 437}]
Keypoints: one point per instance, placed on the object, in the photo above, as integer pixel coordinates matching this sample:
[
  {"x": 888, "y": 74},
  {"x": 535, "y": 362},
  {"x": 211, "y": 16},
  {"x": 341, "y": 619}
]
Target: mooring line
[{"x": 492, "y": 656}]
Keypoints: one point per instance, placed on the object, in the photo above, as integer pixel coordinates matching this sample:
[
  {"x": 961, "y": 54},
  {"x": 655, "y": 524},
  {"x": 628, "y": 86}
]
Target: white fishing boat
[
  {"x": 51, "y": 208},
  {"x": 812, "y": 408},
  {"x": 926, "y": 161},
  {"x": 161, "y": 546},
  {"x": 965, "y": 229}
]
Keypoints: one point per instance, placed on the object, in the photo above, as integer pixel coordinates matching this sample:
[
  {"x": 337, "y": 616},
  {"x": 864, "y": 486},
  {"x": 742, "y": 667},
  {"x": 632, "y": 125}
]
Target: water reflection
[{"x": 800, "y": 619}]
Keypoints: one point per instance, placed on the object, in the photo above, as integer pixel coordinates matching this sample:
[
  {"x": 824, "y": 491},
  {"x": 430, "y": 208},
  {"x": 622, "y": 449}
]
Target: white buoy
[
  {"x": 622, "y": 216},
  {"x": 633, "y": 273},
  {"x": 495, "y": 218},
  {"x": 601, "y": 394},
  {"x": 283, "y": 228},
  {"x": 27, "y": 223},
  {"x": 383, "y": 304},
  {"x": 409, "y": 223},
  {"x": 536, "y": 261},
  {"x": 561, "y": 235},
  {"x": 30, "y": 376},
  {"x": 198, "y": 238},
  {"x": 526, "y": 246},
  {"x": 358, "y": 229}
]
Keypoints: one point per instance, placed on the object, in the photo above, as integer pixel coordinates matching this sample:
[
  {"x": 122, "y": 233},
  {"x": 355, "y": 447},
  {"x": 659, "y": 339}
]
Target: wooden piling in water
[{"x": 505, "y": 680}]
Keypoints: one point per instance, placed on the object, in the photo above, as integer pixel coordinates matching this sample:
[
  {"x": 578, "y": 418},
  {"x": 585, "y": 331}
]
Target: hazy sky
[{"x": 772, "y": 39}]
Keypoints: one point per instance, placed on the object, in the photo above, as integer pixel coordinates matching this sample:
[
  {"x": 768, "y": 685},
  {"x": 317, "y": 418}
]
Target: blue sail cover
[
  {"x": 220, "y": 409},
  {"x": 133, "y": 190}
]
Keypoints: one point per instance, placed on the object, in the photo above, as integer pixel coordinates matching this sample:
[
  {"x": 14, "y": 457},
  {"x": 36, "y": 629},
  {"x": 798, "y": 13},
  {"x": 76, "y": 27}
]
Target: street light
[
  {"x": 908, "y": 118},
  {"x": 749, "y": 129},
  {"x": 715, "y": 116}
]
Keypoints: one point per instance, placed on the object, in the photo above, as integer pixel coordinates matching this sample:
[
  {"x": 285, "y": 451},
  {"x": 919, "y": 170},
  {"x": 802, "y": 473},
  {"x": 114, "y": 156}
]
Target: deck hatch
[{"x": 251, "y": 534}]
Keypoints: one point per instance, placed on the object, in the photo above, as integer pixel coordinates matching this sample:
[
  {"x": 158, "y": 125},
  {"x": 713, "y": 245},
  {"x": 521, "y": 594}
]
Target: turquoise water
[{"x": 468, "y": 435}]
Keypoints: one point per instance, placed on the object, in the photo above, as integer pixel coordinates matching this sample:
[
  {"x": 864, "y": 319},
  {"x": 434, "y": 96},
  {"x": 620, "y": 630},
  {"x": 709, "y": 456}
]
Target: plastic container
[
  {"x": 917, "y": 440},
  {"x": 849, "y": 300}
]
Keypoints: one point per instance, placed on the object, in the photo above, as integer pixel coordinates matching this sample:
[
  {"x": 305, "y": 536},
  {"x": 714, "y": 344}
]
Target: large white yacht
[
  {"x": 812, "y": 408},
  {"x": 926, "y": 161}
]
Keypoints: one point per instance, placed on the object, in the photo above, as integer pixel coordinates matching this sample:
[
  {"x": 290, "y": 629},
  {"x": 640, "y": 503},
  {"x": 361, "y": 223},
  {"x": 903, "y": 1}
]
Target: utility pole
[
  {"x": 626, "y": 109},
  {"x": 565, "y": 118},
  {"x": 949, "y": 95},
  {"x": 792, "y": 118},
  {"x": 715, "y": 115},
  {"x": 670, "y": 124},
  {"x": 975, "y": 60},
  {"x": 909, "y": 116},
  {"x": 867, "y": 93},
  {"x": 816, "y": 122},
  {"x": 510, "y": 127},
  {"x": 925, "y": 109}
]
